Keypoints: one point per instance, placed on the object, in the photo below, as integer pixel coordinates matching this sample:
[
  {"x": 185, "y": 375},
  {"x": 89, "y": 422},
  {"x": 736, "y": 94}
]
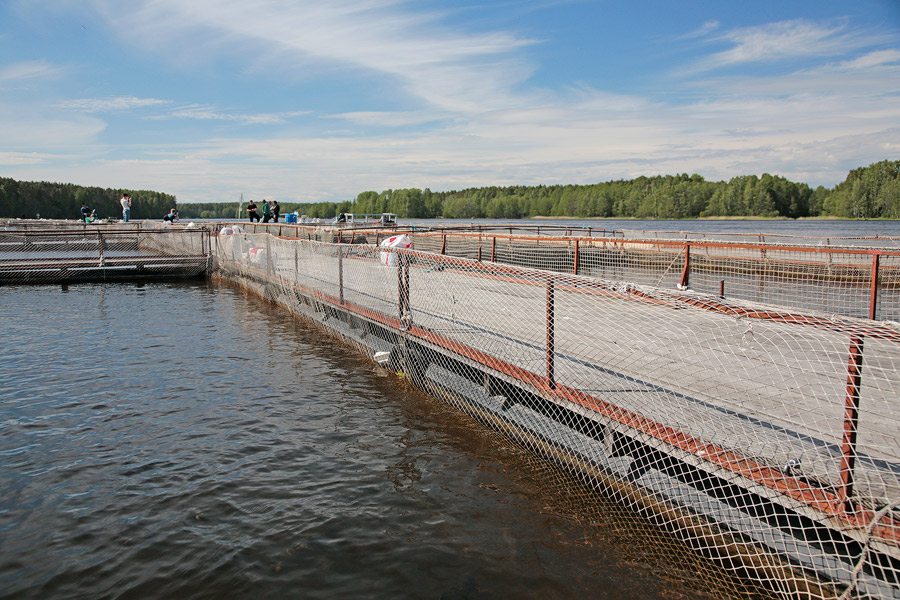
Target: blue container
[{"x": 290, "y": 218}]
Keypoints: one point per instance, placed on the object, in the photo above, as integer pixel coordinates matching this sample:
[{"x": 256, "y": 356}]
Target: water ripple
[{"x": 188, "y": 440}]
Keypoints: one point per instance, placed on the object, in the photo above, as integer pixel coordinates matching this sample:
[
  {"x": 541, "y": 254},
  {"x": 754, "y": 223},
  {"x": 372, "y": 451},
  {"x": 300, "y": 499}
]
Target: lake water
[
  {"x": 793, "y": 227},
  {"x": 189, "y": 440}
]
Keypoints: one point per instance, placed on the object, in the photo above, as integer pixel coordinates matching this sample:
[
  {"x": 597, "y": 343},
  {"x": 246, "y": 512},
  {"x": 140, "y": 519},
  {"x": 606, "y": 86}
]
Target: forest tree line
[
  {"x": 871, "y": 192},
  {"x": 30, "y": 199}
]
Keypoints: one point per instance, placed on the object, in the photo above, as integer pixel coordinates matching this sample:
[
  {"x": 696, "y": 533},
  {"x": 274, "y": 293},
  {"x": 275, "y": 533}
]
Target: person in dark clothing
[
  {"x": 251, "y": 212},
  {"x": 276, "y": 210},
  {"x": 85, "y": 212},
  {"x": 267, "y": 211}
]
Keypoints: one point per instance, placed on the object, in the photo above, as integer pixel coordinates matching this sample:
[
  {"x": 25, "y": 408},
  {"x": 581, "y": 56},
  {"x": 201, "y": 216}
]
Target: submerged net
[{"x": 737, "y": 397}]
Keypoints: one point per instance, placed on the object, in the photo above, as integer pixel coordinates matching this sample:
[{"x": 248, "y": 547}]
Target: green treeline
[
  {"x": 63, "y": 201},
  {"x": 871, "y": 192}
]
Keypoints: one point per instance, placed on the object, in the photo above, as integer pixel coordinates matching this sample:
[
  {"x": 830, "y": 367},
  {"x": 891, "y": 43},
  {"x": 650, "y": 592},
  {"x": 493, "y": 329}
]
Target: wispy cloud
[
  {"x": 780, "y": 41},
  {"x": 437, "y": 64},
  {"x": 25, "y": 158},
  {"x": 434, "y": 104},
  {"x": 206, "y": 113},
  {"x": 878, "y": 58},
  {"x": 33, "y": 69},
  {"x": 116, "y": 104},
  {"x": 702, "y": 31}
]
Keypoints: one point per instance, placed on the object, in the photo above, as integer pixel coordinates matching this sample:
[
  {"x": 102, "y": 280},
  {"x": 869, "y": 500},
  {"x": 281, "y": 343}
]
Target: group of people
[
  {"x": 271, "y": 212},
  {"x": 89, "y": 216}
]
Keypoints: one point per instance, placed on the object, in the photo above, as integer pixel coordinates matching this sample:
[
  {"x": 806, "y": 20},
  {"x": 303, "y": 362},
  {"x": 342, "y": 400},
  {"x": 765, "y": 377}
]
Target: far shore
[{"x": 717, "y": 218}]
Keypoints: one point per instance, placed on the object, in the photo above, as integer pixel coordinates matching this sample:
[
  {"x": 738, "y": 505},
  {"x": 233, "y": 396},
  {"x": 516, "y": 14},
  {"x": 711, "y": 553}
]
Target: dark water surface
[{"x": 191, "y": 441}]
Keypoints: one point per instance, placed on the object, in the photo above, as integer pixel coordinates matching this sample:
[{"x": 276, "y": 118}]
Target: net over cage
[{"x": 738, "y": 400}]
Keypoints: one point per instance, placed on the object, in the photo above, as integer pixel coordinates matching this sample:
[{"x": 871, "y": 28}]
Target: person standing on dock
[
  {"x": 276, "y": 210},
  {"x": 126, "y": 207},
  {"x": 267, "y": 211},
  {"x": 251, "y": 212},
  {"x": 85, "y": 212}
]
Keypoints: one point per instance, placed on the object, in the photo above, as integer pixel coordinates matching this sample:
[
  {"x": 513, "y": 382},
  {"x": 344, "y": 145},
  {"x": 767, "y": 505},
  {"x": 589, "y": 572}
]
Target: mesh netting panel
[
  {"x": 759, "y": 430},
  {"x": 62, "y": 253}
]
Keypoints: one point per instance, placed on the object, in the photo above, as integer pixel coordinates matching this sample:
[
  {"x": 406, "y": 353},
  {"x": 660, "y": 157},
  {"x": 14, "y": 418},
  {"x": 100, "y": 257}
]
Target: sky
[{"x": 310, "y": 101}]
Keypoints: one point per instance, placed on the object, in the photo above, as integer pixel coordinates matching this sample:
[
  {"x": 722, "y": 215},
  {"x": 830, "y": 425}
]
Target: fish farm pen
[{"x": 739, "y": 395}]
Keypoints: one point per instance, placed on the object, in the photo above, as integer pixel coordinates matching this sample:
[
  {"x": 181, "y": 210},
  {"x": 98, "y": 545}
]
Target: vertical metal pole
[
  {"x": 268, "y": 257},
  {"x": 851, "y": 421},
  {"x": 873, "y": 294},
  {"x": 550, "y": 335},
  {"x": 403, "y": 290},
  {"x": 479, "y": 251},
  {"x": 686, "y": 273},
  {"x": 575, "y": 261},
  {"x": 493, "y": 248},
  {"x": 444, "y": 244},
  {"x": 340, "y": 275}
]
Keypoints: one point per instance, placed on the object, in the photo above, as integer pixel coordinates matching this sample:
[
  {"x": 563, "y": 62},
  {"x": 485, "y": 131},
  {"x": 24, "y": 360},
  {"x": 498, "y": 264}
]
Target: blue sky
[{"x": 319, "y": 100}]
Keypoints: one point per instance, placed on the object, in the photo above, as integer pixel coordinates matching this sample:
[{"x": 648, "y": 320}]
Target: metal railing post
[
  {"x": 551, "y": 381},
  {"x": 403, "y": 290},
  {"x": 873, "y": 294},
  {"x": 340, "y": 275},
  {"x": 686, "y": 272},
  {"x": 851, "y": 422},
  {"x": 575, "y": 259}
]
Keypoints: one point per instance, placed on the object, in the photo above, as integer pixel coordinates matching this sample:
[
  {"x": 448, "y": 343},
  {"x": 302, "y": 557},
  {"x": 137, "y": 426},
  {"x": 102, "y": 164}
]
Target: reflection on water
[{"x": 187, "y": 440}]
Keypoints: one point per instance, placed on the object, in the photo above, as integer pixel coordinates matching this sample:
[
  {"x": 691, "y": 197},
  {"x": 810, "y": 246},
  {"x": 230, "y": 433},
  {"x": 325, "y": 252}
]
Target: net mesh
[
  {"x": 60, "y": 252},
  {"x": 753, "y": 421}
]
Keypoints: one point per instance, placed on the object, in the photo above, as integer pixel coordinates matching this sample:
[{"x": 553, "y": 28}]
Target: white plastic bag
[{"x": 396, "y": 241}]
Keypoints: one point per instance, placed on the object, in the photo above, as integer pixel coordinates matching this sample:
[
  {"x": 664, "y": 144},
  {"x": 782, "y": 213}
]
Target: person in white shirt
[{"x": 126, "y": 207}]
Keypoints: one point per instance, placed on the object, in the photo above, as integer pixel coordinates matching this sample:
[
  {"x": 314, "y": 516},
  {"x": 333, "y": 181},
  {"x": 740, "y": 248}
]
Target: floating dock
[
  {"x": 60, "y": 252},
  {"x": 763, "y": 437},
  {"x": 740, "y": 396}
]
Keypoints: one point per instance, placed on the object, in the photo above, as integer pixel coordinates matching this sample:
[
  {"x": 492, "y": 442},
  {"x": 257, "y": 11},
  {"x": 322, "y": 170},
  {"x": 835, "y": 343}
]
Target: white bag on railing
[{"x": 396, "y": 241}]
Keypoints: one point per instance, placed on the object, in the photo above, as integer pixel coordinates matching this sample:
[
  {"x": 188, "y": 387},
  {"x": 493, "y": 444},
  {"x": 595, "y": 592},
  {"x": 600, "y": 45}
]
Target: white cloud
[
  {"x": 474, "y": 117},
  {"x": 702, "y": 31},
  {"x": 446, "y": 68},
  {"x": 204, "y": 113},
  {"x": 780, "y": 41},
  {"x": 29, "y": 128},
  {"x": 33, "y": 69},
  {"x": 119, "y": 103},
  {"x": 873, "y": 59},
  {"x": 25, "y": 158}
]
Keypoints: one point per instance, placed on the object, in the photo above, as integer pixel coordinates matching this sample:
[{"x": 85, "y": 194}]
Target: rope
[{"x": 854, "y": 576}]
